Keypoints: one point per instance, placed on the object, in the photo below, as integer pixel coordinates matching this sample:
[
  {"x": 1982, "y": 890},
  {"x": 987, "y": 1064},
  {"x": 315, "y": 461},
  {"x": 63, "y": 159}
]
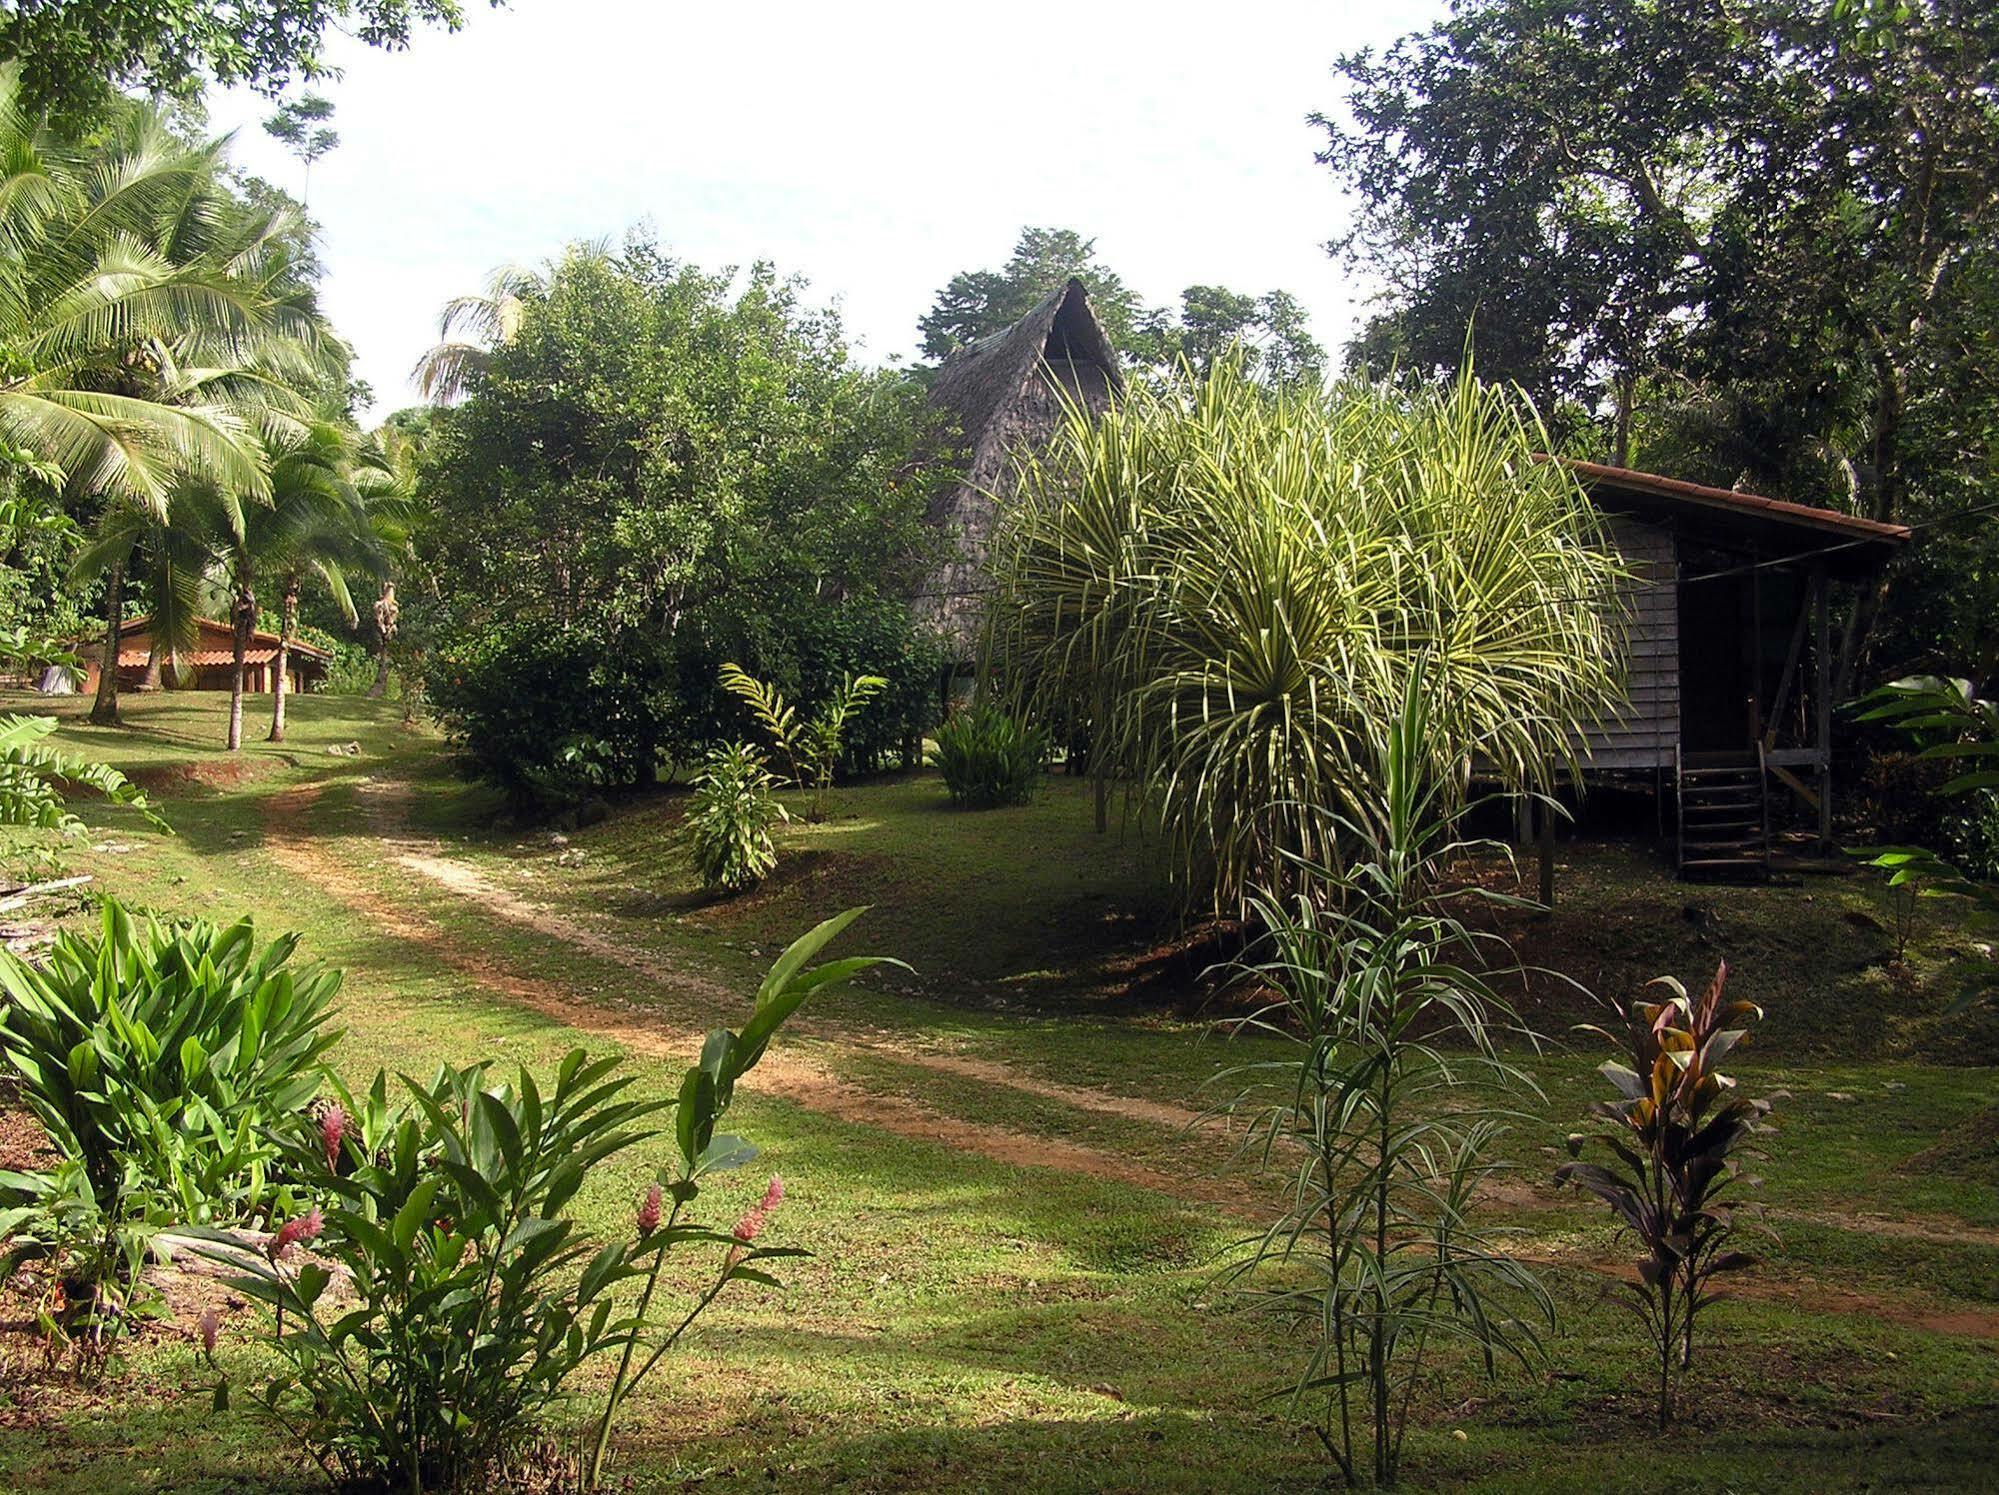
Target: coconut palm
[
  {"x": 1231, "y": 585},
  {"x": 471, "y": 328},
  {"x": 152, "y": 325}
]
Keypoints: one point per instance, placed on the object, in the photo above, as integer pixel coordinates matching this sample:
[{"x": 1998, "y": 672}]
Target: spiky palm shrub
[
  {"x": 989, "y": 759},
  {"x": 1231, "y": 584}
]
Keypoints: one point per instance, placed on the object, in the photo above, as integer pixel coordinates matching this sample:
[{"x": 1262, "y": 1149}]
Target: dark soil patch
[{"x": 207, "y": 774}]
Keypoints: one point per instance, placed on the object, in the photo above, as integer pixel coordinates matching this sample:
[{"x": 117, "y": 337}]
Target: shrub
[
  {"x": 729, "y": 819},
  {"x": 157, "y": 1060},
  {"x": 1672, "y": 1132},
  {"x": 1371, "y": 972},
  {"x": 169, "y": 1050},
  {"x": 1228, "y": 585},
  {"x": 810, "y": 744},
  {"x": 547, "y": 715},
  {"x": 479, "y": 1298},
  {"x": 989, "y": 758}
]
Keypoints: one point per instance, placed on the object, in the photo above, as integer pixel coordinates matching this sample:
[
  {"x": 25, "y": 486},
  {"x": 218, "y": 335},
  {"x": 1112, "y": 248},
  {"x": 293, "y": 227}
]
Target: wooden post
[
  {"x": 1822, "y": 646},
  {"x": 1545, "y": 841}
]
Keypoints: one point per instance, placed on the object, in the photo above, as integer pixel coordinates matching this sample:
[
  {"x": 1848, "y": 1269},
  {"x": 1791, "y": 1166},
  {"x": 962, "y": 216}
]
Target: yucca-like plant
[
  {"x": 1231, "y": 584},
  {"x": 729, "y": 819}
]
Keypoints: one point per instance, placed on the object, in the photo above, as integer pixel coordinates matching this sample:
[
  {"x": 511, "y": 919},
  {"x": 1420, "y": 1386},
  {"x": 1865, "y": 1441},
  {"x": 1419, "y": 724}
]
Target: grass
[{"x": 972, "y": 1322}]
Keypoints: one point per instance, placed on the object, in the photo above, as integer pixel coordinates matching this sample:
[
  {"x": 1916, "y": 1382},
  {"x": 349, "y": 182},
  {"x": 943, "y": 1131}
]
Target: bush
[
  {"x": 548, "y": 714},
  {"x": 989, "y": 758},
  {"x": 730, "y": 817},
  {"x": 169, "y": 1050},
  {"x": 479, "y": 1297},
  {"x": 158, "y": 1061}
]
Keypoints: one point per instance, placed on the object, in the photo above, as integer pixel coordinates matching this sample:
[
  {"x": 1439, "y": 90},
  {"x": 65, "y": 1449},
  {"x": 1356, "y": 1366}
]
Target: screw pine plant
[
  {"x": 1373, "y": 978},
  {"x": 1672, "y": 1132}
]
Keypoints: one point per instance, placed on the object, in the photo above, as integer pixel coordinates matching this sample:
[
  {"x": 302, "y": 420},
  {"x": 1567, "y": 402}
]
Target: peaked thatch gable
[{"x": 1001, "y": 392}]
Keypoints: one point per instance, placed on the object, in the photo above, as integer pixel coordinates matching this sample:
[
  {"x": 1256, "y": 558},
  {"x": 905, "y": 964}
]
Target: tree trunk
[
  {"x": 104, "y": 711},
  {"x": 381, "y": 686},
  {"x": 245, "y": 621},
  {"x": 152, "y": 680},
  {"x": 386, "y": 613},
  {"x": 287, "y": 621}
]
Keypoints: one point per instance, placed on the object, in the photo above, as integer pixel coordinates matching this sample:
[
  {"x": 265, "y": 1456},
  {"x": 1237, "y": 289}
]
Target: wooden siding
[{"x": 1647, "y": 731}]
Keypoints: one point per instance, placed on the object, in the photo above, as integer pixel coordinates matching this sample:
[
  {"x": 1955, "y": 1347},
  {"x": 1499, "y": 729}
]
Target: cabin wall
[{"x": 1645, "y": 733}]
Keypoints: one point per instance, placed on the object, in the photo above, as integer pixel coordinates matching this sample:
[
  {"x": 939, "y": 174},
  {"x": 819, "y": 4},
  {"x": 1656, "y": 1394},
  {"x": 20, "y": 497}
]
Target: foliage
[
  {"x": 479, "y": 1298},
  {"x": 1768, "y": 260},
  {"x": 729, "y": 819},
  {"x": 1370, "y": 983},
  {"x": 1267, "y": 333},
  {"x": 988, "y": 758},
  {"x": 32, "y": 777},
  {"x": 548, "y": 714},
  {"x": 648, "y": 448},
  {"x": 1672, "y": 1133},
  {"x": 74, "y": 54},
  {"x": 163, "y": 1054},
  {"x": 811, "y": 745},
  {"x": 81, "y": 1257},
  {"x": 1958, "y": 727},
  {"x": 1230, "y": 585},
  {"x": 148, "y": 318}
]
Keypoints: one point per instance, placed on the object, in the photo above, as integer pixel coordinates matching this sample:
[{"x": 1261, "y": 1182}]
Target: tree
[
  {"x": 75, "y": 55},
  {"x": 1770, "y": 248},
  {"x": 301, "y": 125},
  {"x": 472, "y": 327},
  {"x": 651, "y": 439},
  {"x": 978, "y": 303},
  {"x": 1269, "y": 330},
  {"x": 151, "y": 320},
  {"x": 1267, "y": 334}
]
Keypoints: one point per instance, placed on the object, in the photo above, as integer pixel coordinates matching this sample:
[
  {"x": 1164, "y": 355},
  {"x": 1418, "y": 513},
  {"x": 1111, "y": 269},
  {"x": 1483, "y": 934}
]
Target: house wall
[{"x": 1645, "y": 734}]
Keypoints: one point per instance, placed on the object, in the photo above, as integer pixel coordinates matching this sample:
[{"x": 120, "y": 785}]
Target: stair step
[{"x": 1743, "y": 843}]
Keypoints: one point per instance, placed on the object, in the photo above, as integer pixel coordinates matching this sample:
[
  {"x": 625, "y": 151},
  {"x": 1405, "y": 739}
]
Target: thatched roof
[{"x": 998, "y": 391}]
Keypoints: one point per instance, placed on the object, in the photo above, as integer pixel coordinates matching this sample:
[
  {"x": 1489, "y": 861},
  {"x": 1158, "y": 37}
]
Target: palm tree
[
  {"x": 151, "y": 323},
  {"x": 335, "y": 507},
  {"x": 471, "y": 328}
]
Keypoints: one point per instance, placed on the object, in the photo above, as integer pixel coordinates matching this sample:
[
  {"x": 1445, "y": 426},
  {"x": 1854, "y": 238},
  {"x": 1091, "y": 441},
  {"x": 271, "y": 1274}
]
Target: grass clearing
[{"x": 970, "y": 1322}]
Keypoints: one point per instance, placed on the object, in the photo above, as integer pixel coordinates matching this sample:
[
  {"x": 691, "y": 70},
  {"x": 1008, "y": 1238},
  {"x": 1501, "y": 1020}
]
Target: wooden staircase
[{"x": 1724, "y": 816}]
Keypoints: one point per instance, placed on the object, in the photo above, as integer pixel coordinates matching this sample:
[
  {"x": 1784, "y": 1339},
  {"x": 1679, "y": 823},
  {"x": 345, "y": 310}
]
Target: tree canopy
[
  {"x": 75, "y": 54},
  {"x": 1270, "y": 329},
  {"x": 1765, "y": 254}
]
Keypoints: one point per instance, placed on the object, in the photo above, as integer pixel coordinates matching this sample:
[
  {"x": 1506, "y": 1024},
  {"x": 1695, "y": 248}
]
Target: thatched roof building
[{"x": 1001, "y": 391}]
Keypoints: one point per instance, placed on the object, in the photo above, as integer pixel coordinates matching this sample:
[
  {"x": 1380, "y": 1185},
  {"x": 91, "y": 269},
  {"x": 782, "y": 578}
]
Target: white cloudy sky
[{"x": 874, "y": 148}]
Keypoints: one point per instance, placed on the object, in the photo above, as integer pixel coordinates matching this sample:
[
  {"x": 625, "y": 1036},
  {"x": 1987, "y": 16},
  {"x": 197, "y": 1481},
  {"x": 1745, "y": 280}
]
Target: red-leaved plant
[{"x": 1673, "y": 1130}]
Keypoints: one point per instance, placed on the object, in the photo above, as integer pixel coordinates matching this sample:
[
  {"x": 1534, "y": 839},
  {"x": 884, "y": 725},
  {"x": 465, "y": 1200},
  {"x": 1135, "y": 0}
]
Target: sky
[{"x": 875, "y": 149}]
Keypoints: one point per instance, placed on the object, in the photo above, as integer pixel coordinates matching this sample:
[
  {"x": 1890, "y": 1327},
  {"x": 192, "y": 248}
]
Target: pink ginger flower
[
  {"x": 752, "y": 1224},
  {"x": 209, "y": 1327},
  {"x": 649, "y": 1212},
  {"x": 298, "y": 1228},
  {"x": 332, "y": 1129}
]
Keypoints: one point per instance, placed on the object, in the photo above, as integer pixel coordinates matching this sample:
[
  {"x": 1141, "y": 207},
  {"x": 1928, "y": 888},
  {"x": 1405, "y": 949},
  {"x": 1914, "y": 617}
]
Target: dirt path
[
  {"x": 795, "y": 1076},
  {"x": 810, "y": 1079}
]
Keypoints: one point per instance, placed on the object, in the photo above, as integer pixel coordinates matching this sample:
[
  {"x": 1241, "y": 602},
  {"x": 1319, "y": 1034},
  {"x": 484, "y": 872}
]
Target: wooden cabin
[
  {"x": 208, "y": 665},
  {"x": 1729, "y": 646},
  {"x": 1001, "y": 392},
  {"x": 1730, "y": 710}
]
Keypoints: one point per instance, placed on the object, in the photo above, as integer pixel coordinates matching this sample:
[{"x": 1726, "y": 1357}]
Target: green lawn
[{"x": 1013, "y": 1294}]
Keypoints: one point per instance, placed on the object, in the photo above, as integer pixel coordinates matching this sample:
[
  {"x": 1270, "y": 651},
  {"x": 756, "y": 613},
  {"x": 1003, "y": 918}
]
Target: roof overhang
[{"x": 1775, "y": 528}]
